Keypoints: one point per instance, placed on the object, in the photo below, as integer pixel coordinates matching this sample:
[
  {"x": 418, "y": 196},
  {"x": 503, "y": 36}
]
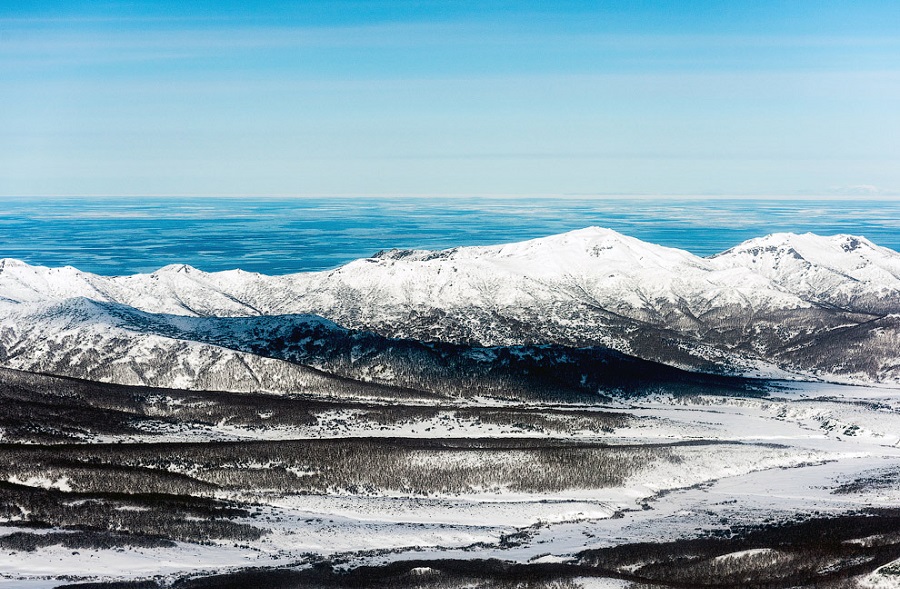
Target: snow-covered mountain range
[
  {"x": 781, "y": 305},
  {"x": 305, "y": 354}
]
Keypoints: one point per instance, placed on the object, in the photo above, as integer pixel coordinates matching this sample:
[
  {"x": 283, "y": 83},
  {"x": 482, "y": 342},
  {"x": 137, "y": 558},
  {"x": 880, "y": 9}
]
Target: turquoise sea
[{"x": 280, "y": 235}]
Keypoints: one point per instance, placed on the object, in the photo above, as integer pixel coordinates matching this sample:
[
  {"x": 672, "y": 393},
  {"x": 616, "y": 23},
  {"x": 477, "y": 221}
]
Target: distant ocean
[{"x": 116, "y": 236}]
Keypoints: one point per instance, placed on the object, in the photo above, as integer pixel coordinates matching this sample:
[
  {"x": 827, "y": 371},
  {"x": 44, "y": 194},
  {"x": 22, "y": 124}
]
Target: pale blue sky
[{"x": 433, "y": 98}]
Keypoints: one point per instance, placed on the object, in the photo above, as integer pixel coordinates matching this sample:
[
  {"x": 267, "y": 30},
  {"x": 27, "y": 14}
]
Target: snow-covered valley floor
[{"x": 552, "y": 488}]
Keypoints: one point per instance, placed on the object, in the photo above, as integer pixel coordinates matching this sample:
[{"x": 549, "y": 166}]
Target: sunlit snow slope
[{"x": 782, "y": 305}]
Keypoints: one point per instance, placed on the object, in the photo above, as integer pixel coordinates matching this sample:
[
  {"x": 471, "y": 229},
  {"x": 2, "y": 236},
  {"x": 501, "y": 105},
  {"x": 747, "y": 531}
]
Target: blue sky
[{"x": 444, "y": 98}]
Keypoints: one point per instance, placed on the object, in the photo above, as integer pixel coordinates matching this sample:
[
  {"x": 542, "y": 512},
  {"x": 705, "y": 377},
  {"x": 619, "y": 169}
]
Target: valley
[
  {"x": 174, "y": 485},
  {"x": 584, "y": 410}
]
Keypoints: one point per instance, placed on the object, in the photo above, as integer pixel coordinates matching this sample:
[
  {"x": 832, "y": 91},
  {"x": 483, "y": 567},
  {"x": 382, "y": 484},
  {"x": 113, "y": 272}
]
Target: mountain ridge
[
  {"x": 765, "y": 307},
  {"x": 110, "y": 342}
]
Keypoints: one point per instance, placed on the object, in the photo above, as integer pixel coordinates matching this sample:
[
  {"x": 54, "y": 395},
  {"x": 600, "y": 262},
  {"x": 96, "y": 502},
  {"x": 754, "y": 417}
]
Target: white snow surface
[
  {"x": 778, "y": 457},
  {"x": 836, "y": 269},
  {"x": 608, "y": 264},
  {"x": 755, "y": 309},
  {"x": 781, "y": 270}
]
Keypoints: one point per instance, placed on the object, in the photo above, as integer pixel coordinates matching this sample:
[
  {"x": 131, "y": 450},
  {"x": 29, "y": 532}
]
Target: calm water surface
[{"x": 276, "y": 236}]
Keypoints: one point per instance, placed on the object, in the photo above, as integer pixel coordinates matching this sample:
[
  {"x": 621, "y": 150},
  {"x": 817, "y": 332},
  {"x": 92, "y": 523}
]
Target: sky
[{"x": 450, "y": 98}]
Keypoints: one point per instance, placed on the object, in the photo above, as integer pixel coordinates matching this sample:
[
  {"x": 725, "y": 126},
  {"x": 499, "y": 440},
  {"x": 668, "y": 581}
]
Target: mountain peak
[
  {"x": 177, "y": 269},
  {"x": 592, "y": 232},
  {"x": 11, "y": 263},
  {"x": 14, "y": 264},
  {"x": 584, "y": 248},
  {"x": 826, "y": 250},
  {"x": 586, "y": 234},
  {"x": 586, "y": 240},
  {"x": 578, "y": 251}
]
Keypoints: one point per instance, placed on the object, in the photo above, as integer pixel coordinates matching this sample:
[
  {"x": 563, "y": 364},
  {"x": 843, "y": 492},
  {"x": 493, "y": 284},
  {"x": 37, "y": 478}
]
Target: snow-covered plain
[{"x": 752, "y": 460}]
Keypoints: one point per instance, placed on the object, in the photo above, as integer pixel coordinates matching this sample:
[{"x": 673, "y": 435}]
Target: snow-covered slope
[
  {"x": 764, "y": 307},
  {"x": 111, "y": 342},
  {"x": 842, "y": 270},
  {"x": 82, "y": 338},
  {"x": 177, "y": 289}
]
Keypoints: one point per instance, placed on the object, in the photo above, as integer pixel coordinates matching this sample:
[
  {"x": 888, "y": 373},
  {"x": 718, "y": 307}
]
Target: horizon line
[{"x": 883, "y": 196}]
